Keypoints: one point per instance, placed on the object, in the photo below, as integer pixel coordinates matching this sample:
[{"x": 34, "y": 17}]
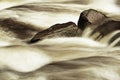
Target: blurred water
[{"x": 89, "y": 68}]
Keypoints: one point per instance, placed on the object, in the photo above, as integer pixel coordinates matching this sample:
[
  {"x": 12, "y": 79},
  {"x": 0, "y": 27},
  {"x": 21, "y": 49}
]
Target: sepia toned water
[{"x": 60, "y": 58}]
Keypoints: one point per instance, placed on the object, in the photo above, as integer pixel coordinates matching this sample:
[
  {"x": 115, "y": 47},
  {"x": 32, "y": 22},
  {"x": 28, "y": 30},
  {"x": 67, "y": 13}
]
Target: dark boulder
[{"x": 68, "y": 29}]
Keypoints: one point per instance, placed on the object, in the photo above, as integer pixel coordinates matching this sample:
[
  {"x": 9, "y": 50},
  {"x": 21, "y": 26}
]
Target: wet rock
[
  {"x": 89, "y": 17},
  {"x": 68, "y": 29}
]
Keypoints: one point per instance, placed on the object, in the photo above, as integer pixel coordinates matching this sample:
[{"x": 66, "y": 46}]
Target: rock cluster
[{"x": 96, "y": 21}]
